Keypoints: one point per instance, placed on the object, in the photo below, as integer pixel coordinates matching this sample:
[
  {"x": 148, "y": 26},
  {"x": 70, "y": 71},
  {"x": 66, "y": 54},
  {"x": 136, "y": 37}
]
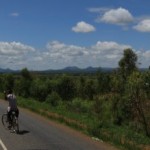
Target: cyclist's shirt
[{"x": 12, "y": 101}]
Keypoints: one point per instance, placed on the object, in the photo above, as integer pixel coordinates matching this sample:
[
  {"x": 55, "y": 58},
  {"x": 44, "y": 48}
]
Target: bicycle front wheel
[{"x": 5, "y": 121}]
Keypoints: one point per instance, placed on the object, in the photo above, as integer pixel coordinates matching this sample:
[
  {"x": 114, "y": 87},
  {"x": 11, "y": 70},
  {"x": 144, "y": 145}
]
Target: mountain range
[{"x": 69, "y": 69}]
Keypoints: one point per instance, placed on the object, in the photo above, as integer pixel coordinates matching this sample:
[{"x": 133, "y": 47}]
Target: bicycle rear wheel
[
  {"x": 5, "y": 121},
  {"x": 15, "y": 124}
]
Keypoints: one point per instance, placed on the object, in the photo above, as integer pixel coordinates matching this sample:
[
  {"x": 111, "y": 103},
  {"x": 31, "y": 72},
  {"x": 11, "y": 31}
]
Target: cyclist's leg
[
  {"x": 9, "y": 119},
  {"x": 17, "y": 112},
  {"x": 8, "y": 114}
]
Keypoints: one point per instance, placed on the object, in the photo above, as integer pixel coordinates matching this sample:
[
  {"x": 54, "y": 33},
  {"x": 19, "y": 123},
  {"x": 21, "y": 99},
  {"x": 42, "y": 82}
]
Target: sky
[{"x": 54, "y": 34}]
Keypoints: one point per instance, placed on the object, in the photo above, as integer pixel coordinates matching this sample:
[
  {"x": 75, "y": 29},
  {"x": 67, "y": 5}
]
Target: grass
[
  {"x": 124, "y": 138},
  {"x": 59, "y": 113}
]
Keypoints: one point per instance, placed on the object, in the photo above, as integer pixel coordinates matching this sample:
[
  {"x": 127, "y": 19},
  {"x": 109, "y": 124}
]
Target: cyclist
[{"x": 12, "y": 105}]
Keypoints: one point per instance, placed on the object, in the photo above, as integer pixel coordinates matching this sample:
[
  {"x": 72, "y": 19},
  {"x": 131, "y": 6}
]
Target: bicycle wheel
[
  {"x": 15, "y": 124},
  {"x": 5, "y": 121}
]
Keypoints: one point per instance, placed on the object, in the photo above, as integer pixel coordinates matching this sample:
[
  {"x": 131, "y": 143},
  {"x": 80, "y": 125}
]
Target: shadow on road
[{"x": 22, "y": 132}]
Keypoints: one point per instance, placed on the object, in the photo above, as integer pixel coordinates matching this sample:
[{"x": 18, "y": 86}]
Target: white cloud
[
  {"x": 13, "y": 54},
  {"x": 14, "y": 48},
  {"x": 118, "y": 16},
  {"x": 143, "y": 26},
  {"x": 98, "y": 9},
  {"x": 57, "y": 49},
  {"x": 109, "y": 46},
  {"x": 14, "y": 14},
  {"x": 56, "y": 55},
  {"x": 108, "y": 53},
  {"x": 83, "y": 27},
  {"x": 101, "y": 54}
]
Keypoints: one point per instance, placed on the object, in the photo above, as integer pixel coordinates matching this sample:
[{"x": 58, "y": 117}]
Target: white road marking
[{"x": 2, "y": 144}]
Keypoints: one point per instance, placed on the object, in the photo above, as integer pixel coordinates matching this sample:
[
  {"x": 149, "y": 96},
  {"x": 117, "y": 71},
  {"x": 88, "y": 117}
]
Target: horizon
[
  {"x": 53, "y": 34},
  {"x": 67, "y": 67}
]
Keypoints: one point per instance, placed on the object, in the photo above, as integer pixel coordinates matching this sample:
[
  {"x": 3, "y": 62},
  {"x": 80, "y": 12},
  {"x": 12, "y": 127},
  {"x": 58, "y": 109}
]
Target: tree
[
  {"x": 103, "y": 80},
  {"x": 39, "y": 89},
  {"x": 137, "y": 99},
  {"x": 8, "y": 81},
  {"x": 53, "y": 99},
  {"x": 25, "y": 73},
  {"x": 67, "y": 89},
  {"x": 25, "y": 83},
  {"x": 90, "y": 89},
  {"x": 128, "y": 62}
]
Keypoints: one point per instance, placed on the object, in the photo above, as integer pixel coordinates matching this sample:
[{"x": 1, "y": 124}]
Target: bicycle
[{"x": 11, "y": 125}]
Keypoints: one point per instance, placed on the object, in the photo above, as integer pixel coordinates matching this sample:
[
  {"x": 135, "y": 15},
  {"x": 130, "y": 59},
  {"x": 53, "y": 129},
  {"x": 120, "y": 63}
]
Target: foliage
[
  {"x": 136, "y": 98},
  {"x": 108, "y": 109},
  {"x": 66, "y": 87},
  {"x": 39, "y": 90},
  {"x": 89, "y": 89},
  {"x": 128, "y": 63},
  {"x": 22, "y": 87},
  {"x": 53, "y": 99},
  {"x": 103, "y": 80},
  {"x": 8, "y": 82},
  {"x": 26, "y": 74},
  {"x": 80, "y": 106}
]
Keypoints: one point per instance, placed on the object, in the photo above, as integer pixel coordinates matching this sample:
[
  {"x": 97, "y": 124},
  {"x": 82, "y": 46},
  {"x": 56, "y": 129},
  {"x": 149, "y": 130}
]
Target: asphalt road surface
[{"x": 38, "y": 133}]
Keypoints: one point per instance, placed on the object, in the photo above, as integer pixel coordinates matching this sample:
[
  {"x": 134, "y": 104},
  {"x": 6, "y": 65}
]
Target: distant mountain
[
  {"x": 74, "y": 69},
  {"x": 7, "y": 70},
  {"x": 92, "y": 69},
  {"x": 69, "y": 69}
]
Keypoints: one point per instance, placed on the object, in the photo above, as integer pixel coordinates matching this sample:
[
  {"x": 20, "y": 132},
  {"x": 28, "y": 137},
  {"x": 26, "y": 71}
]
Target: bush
[
  {"x": 80, "y": 106},
  {"x": 53, "y": 99},
  {"x": 103, "y": 108}
]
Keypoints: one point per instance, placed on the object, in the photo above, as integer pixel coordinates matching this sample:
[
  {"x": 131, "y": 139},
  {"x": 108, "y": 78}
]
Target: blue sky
[{"x": 53, "y": 34}]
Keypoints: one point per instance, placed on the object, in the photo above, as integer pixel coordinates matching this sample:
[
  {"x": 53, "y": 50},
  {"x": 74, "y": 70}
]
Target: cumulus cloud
[
  {"x": 119, "y": 16},
  {"x": 109, "y": 46},
  {"x": 108, "y": 53},
  {"x": 14, "y": 14},
  {"x": 57, "y": 54},
  {"x": 101, "y": 54},
  {"x": 83, "y": 27},
  {"x": 143, "y": 26},
  {"x": 14, "y": 48},
  {"x": 12, "y": 54},
  {"x": 57, "y": 50}
]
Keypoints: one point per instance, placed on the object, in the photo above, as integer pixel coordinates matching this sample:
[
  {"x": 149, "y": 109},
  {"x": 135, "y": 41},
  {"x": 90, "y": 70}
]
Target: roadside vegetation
[{"x": 113, "y": 106}]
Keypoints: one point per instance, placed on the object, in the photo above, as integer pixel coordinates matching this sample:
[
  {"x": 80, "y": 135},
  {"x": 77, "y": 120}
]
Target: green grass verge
[{"x": 59, "y": 113}]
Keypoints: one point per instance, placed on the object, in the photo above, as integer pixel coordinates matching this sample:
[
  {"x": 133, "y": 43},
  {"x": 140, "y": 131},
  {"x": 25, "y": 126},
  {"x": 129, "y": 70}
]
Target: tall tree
[
  {"x": 25, "y": 73},
  {"x": 128, "y": 62}
]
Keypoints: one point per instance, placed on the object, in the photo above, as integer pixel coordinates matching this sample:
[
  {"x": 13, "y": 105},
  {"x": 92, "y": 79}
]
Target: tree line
[{"x": 121, "y": 97}]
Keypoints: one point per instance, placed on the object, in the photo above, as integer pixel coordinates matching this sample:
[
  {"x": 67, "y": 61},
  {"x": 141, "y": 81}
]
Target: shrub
[
  {"x": 80, "y": 106},
  {"x": 53, "y": 99}
]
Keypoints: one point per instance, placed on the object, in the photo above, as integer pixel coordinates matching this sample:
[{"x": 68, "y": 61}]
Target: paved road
[{"x": 37, "y": 133}]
